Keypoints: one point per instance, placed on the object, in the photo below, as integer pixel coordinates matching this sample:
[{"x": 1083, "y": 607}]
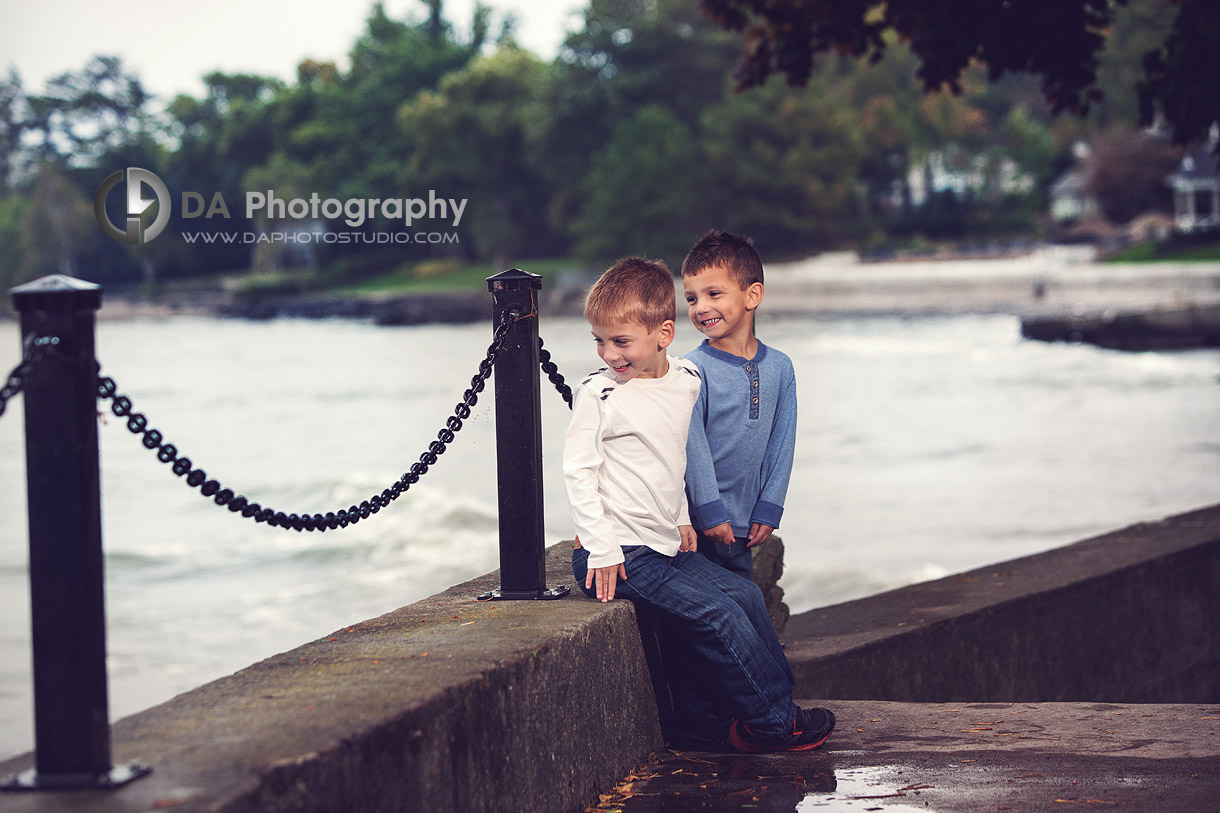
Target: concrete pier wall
[
  {"x": 1129, "y": 616},
  {"x": 451, "y": 704},
  {"x": 448, "y": 704}
]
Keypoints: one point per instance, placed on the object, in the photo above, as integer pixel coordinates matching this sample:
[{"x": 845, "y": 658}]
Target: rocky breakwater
[
  {"x": 1181, "y": 328},
  {"x": 414, "y": 309}
]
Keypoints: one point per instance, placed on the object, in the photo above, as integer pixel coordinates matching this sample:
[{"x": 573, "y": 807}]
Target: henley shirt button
[
  {"x": 756, "y": 400},
  {"x": 755, "y": 383}
]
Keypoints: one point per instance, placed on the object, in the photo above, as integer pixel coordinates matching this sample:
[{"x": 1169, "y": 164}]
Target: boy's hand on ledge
[
  {"x": 690, "y": 539},
  {"x": 759, "y": 534},
  {"x": 606, "y": 577},
  {"x": 722, "y": 533}
]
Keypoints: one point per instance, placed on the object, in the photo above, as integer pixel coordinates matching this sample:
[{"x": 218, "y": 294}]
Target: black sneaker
[
  {"x": 810, "y": 728},
  {"x": 701, "y": 734}
]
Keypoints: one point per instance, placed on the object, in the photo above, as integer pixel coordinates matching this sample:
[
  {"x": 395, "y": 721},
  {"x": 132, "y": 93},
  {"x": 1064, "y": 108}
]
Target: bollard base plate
[
  {"x": 114, "y": 778},
  {"x": 521, "y": 595}
]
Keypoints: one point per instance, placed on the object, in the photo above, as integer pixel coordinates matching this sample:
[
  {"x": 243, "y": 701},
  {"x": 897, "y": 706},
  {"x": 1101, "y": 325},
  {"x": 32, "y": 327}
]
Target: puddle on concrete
[
  {"x": 861, "y": 789},
  {"x": 768, "y": 783}
]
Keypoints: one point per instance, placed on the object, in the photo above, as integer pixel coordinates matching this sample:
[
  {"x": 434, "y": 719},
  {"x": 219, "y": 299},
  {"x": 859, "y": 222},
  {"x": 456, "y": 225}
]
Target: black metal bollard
[
  {"x": 519, "y": 441},
  {"x": 67, "y": 603}
]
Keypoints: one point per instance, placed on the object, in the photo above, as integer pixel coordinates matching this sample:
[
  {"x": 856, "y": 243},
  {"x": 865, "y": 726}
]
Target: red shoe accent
[{"x": 763, "y": 747}]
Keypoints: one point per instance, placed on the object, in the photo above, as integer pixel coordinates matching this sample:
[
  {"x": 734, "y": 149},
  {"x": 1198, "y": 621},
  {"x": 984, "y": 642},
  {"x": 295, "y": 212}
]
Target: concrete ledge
[
  {"x": 1129, "y": 616},
  {"x": 448, "y": 704}
]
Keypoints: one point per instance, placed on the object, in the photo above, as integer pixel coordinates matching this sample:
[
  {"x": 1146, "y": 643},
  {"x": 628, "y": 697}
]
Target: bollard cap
[
  {"x": 57, "y": 292},
  {"x": 514, "y": 279}
]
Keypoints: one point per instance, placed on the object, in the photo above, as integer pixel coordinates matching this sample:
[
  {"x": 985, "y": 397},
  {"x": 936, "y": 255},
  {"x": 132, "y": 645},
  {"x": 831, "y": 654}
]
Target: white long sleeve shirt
[{"x": 624, "y": 461}]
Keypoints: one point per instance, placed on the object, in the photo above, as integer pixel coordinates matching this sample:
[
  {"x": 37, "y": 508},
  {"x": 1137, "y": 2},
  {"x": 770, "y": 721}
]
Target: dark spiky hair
[{"x": 731, "y": 251}]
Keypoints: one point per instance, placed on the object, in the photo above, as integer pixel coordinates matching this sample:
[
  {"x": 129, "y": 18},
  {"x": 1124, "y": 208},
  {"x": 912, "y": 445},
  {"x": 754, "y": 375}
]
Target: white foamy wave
[{"x": 807, "y": 588}]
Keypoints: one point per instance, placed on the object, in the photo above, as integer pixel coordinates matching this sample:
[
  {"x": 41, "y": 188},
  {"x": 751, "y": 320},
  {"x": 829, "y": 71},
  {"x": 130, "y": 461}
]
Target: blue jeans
[
  {"x": 725, "y": 620},
  {"x": 736, "y": 557}
]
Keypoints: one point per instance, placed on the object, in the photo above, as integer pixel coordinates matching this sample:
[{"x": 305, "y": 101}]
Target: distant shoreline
[
  {"x": 1048, "y": 281},
  {"x": 1053, "y": 280}
]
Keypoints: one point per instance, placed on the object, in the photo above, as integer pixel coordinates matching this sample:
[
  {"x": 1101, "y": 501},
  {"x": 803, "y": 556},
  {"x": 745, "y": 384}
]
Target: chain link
[
  {"x": 35, "y": 350},
  {"x": 137, "y": 423},
  {"x": 548, "y": 367}
]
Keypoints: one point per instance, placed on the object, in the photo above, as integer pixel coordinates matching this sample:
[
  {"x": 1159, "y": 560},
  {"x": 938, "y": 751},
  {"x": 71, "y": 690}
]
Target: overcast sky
[{"x": 171, "y": 44}]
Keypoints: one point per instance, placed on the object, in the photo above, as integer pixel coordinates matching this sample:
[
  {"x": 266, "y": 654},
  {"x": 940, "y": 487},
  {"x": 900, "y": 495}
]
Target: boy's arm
[
  {"x": 582, "y": 462},
  {"x": 702, "y": 490},
  {"x": 777, "y": 461}
]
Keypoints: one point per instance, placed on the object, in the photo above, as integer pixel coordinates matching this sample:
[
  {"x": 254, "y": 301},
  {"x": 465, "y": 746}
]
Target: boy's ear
[
  {"x": 754, "y": 295},
  {"x": 666, "y": 336}
]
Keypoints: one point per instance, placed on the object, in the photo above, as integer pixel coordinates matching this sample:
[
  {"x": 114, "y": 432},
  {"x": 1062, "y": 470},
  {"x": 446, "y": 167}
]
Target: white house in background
[
  {"x": 955, "y": 170},
  {"x": 1196, "y": 189},
  {"x": 1070, "y": 198},
  {"x": 1069, "y": 194}
]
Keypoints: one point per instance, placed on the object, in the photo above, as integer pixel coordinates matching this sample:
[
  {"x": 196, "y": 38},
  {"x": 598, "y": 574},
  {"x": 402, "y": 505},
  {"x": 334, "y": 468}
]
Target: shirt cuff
[
  {"x": 605, "y": 559},
  {"x": 767, "y": 513},
  {"x": 709, "y": 515}
]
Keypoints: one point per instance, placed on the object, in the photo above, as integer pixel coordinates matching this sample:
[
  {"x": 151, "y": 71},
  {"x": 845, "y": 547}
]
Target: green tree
[
  {"x": 217, "y": 138},
  {"x": 13, "y": 122},
  {"x": 58, "y": 227},
  {"x": 1182, "y": 81},
  {"x": 784, "y": 168},
  {"x": 352, "y": 138},
  {"x": 642, "y": 193},
  {"x": 1139, "y": 26},
  {"x": 85, "y": 114},
  {"x": 1057, "y": 41},
  {"x": 629, "y": 54},
  {"x": 477, "y": 137},
  {"x": 13, "y": 209}
]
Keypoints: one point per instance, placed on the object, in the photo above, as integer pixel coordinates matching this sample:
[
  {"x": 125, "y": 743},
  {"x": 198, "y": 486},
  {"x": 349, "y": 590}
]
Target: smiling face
[
  {"x": 720, "y": 308},
  {"x": 633, "y": 351}
]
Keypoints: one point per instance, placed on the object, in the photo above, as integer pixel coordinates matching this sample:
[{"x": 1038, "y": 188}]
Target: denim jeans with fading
[
  {"x": 737, "y": 557},
  {"x": 734, "y": 651}
]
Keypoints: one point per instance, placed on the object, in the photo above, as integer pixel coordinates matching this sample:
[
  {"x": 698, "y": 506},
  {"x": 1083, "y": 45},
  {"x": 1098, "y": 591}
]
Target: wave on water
[{"x": 809, "y": 587}]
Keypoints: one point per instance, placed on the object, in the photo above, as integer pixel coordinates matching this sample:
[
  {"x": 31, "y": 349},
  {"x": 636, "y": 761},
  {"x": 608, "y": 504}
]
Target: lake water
[{"x": 926, "y": 446}]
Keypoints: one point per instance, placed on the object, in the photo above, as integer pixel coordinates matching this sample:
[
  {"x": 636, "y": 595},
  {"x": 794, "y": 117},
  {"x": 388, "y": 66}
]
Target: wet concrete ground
[{"x": 895, "y": 757}]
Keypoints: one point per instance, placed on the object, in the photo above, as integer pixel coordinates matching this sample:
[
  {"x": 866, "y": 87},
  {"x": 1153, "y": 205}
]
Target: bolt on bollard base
[
  {"x": 519, "y": 441},
  {"x": 517, "y": 595},
  {"x": 67, "y": 605},
  {"x": 114, "y": 778}
]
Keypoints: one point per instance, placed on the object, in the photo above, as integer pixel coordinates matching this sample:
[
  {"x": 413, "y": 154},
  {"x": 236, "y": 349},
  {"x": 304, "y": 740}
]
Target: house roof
[
  {"x": 1071, "y": 183},
  {"x": 1198, "y": 164}
]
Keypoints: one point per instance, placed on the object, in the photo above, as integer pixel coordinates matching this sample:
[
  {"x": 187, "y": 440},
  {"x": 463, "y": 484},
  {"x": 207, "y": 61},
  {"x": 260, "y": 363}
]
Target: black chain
[
  {"x": 548, "y": 367},
  {"x": 152, "y": 439},
  {"x": 35, "y": 349}
]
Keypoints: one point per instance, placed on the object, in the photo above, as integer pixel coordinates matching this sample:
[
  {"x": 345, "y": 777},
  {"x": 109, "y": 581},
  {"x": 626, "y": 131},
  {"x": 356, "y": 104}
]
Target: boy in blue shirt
[{"x": 743, "y": 431}]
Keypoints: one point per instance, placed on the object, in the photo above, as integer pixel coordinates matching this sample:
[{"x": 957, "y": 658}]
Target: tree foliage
[
  {"x": 1058, "y": 41},
  {"x": 1128, "y": 177},
  {"x": 642, "y": 190},
  {"x": 632, "y": 140},
  {"x": 477, "y": 137}
]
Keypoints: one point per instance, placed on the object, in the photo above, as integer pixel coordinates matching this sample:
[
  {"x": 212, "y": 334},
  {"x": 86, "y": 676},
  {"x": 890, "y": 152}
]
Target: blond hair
[{"x": 633, "y": 290}]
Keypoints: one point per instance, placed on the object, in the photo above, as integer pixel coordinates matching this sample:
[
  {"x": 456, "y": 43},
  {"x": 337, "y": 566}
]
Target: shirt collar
[{"x": 732, "y": 358}]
